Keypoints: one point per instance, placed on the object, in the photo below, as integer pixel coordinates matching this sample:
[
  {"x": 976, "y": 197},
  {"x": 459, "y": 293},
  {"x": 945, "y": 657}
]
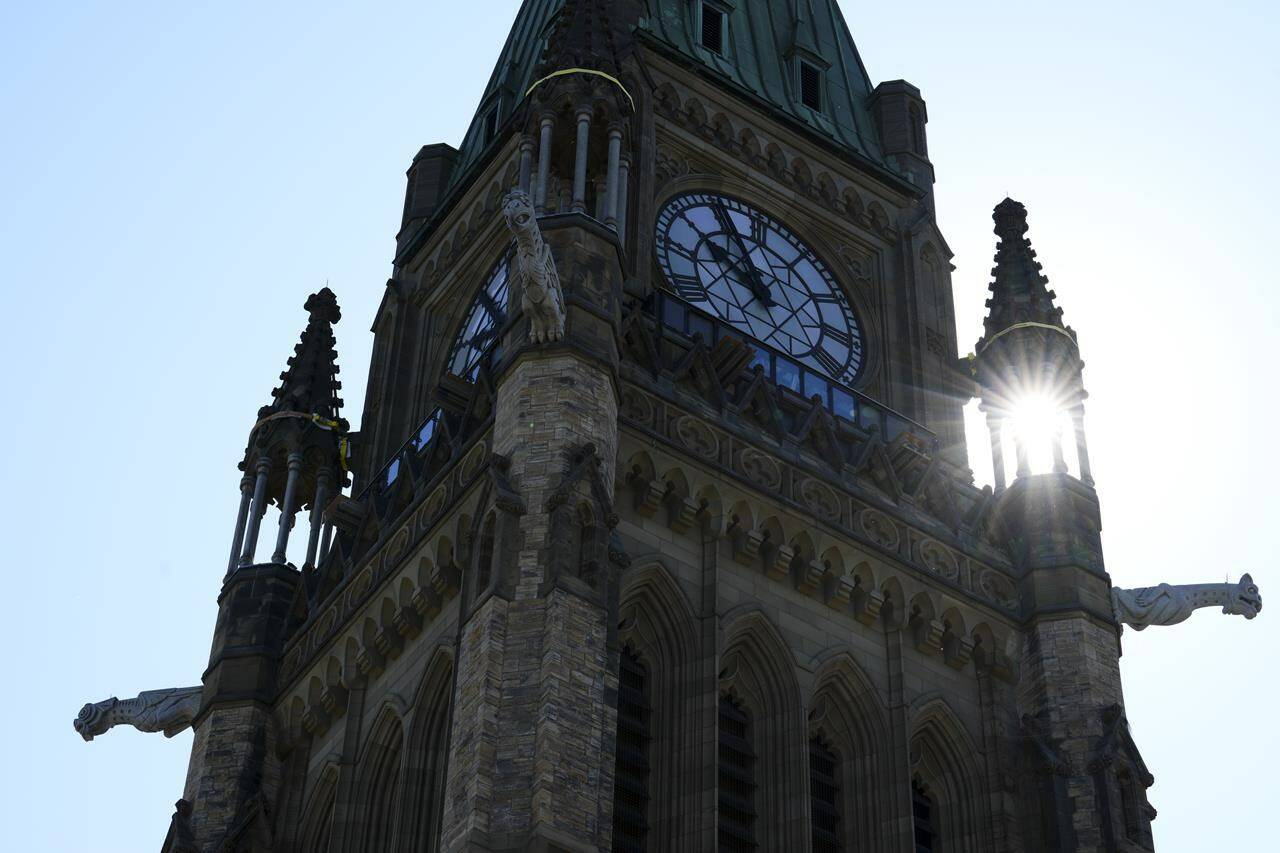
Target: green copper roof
[
  {"x": 760, "y": 57},
  {"x": 511, "y": 78}
]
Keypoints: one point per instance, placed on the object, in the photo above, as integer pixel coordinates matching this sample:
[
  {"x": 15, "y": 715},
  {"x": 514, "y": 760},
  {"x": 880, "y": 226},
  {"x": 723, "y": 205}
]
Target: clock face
[
  {"x": 739, "y": 264},
  {"x": 484, "y": 319}
]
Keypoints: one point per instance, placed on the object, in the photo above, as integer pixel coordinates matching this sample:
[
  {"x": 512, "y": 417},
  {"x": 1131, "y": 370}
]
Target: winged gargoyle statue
[
  {"x": 534, "y": 269},
  {"x": 1168, "y": 605},
  {"x": 169, "y": 711}
]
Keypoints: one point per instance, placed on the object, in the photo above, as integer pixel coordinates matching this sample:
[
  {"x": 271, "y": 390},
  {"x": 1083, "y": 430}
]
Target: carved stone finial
[
  {"x": 534, "y": 270},
  {"x": 169, "y": 711},
  {"x": 1168, "y": 605}
]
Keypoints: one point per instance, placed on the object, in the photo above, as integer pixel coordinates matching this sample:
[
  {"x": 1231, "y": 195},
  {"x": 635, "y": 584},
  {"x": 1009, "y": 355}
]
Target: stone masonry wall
[
  {"x": 532, "y": 741},
  {"x": 228, "y": 740}
]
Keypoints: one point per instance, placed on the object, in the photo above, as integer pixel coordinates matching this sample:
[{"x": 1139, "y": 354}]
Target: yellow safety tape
[
  {"x": 1003, "y": 332},
  {"x": 614, "y": 80}
]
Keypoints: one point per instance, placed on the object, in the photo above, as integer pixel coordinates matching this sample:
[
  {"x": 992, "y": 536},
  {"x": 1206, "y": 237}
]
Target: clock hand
[
  {"x": 756, "y": 284},
  {"x": 758, "y": 287}
]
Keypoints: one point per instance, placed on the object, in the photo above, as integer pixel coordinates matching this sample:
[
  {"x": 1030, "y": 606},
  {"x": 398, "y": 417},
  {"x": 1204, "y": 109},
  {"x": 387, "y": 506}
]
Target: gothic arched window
[
  {"x": 923, "y": 818},
  {"x": 631, "y": 773},
  {"x": 737, "y": 779},
  {"x": 427, "y": 758},
  {"x": 317, "y": 822},
  {"x": 824, "y": 796},
  {"x": 380, "y": 782}
]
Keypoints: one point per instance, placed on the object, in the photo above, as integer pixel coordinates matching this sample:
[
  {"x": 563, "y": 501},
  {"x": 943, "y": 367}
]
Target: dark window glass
[
  {"x": 737, "y": 780},
  {"x": 480, "y": 329},
  {"x": 762, "y": 358},
  {"x": 428, "y": 430},
  {"x": 673, "y": 315},
  {"x": 631, "y": 775},
  {"x": 842, "y": 404},
  {"x": 810, "y": 86},
  {"x": 491, "y": 125},
  {"x": 788, "y": 375},
  {"x": 712, "y": 28},
  {"x": 824, "y": 797},
  {"x": 922, "y": 818},
  {"x": 815, "y": 385},
  {"x": 699, "y": 325}
]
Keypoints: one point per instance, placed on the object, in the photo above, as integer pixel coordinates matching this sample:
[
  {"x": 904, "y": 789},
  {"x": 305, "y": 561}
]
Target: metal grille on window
[
  {"x": 824, "y": 796},
  {"x": 631, "y": 774},
  {"x": 922, "y": 818},
  {"x": 712, "y": 28},
  {"x": 810, "y": 86},
  {"x": 737, "y": 780}
]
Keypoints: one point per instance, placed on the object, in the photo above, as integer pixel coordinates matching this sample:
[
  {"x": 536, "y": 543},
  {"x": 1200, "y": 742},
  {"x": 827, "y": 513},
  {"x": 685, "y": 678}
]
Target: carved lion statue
[
  {"x": 169, "y": 711},
  {"x": 1167, "y": 604},
  {"x": 534, "y": 270},
  {"x": 1244, "y": 598}
]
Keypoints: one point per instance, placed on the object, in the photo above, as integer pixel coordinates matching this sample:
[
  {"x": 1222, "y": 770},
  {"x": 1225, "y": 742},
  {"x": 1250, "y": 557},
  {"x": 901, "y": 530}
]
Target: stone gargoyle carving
[
  {"x": 169, "y": 711},
  {"x": 1168, "y": 605},
  {"x": 534, "y": 270}
]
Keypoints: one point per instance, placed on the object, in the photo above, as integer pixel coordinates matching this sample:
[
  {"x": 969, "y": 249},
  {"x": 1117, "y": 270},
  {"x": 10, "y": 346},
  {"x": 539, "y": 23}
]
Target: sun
[{"x": 1037, "y": 421}]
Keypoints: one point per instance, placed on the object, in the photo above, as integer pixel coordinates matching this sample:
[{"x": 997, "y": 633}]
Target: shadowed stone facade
[{"x": 617, "y": 572}]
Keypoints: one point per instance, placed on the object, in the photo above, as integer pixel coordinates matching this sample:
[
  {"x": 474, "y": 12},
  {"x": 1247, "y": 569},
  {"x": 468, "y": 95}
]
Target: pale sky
[{"x": 176, "y": 178}]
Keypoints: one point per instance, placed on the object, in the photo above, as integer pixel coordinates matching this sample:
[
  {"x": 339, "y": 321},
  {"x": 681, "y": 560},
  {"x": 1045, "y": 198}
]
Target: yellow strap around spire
[
  {"x": 614, "y": 80},
  {"x": 1030, "y": 325}
]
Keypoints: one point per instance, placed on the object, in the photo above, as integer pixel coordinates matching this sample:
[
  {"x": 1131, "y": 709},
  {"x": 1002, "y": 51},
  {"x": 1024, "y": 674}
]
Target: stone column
[
  {"x": 544, "y": 163},
  {"x": 325, "y": 541},
  {"x": 611, "y": 178},
  {"x": 526, "y": 162},
  {"x": 534, "y": 715},
  {"x": 1082, "y": 446},
  {"x": 324, "y": 484},
  {"x": 1024, "y": 461},
  {"x": 288, "y": 508},
  {"x": 242, "y": 516},
  {"x": 624, "y": 177},
  {"x": 580, "y": 162},
  {"x": 1059, "y": 461},
  {"x": 995, "y": 427},
  {"x": 256, "y": 511}
]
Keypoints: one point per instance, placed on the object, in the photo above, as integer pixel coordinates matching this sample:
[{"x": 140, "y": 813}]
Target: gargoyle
[
  {"x": 169, "y": 711},
  {"x": 1169, "y": 605},
  {"x": 534, "y": 270}
]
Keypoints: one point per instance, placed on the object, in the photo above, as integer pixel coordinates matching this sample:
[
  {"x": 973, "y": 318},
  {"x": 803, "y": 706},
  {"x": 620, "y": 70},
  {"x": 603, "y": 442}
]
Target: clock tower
[{"x": 657, "y": 532}]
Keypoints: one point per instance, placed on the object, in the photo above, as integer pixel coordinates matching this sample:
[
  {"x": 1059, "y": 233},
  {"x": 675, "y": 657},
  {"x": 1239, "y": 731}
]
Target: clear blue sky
[{"x": 176, "y": 178}]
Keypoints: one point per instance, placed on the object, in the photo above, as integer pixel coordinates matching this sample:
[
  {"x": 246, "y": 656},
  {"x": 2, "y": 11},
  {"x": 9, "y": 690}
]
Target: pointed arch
[
  {"x": 848, "y": 714},
  {"x": 317, "y": 816},
  {"x": 427, "y": 756},
  {"x": 378, "y": 781},
  {"x": 944, "y": 767},
  {"x": 758, "y": 674},
  {"x": 657, "y": 626}
]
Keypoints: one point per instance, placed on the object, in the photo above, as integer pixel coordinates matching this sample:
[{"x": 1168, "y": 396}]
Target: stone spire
[
  {"x": 310, "y": 385},
  {"x": 296, "y": 454},
  {"x": 1027, "y": 356},
  {"x": 1019, "y": 291},
  {"x": 585, "y": 35}
]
